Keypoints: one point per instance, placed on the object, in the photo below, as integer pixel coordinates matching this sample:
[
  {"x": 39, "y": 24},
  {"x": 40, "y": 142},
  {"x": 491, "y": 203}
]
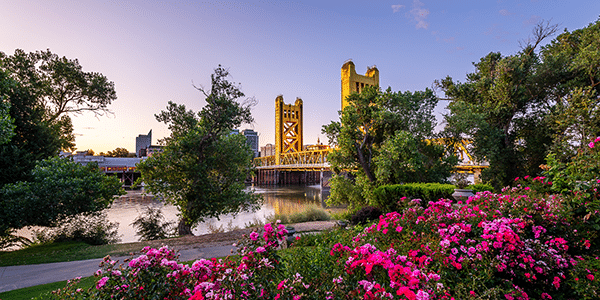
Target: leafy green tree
[
  {"x": 58, "y": 188},
  {"x": 34, "y": 139},
  {"x": 43, "y": 90},
  {"x": 118, "y": 152},
  {"x": 571, "y": 66},
  {"x": 502, "y": 108},
  {"x": 203, "y": 167},
  {"x": 7, "y": 125},
  {"x": 381, "y": 139}
]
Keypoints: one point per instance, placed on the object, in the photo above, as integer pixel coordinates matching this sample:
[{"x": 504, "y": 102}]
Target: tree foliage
[
  {"x": 40, "y": 91},
  {"x": 502, "y": 108},
  {"x": 519, "y": 108},
  {"x": 7, "y": 125},
  {"x": 118, "y": 152},
  {"x": 571, "y": 65},
  {"x": 382, "y": 137},
  {"x": 203, "y": 167},
  {"x": 58, "y": 188},
  {"x": 43, "y": 89}
]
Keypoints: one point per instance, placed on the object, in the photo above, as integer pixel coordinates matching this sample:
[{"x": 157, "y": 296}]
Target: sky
[{"x": 155, "y": 51}]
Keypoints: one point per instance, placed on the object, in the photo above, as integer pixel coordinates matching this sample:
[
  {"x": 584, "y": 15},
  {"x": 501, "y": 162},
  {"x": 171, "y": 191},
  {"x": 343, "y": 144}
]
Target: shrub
[
  {"x": 91, "y": 228},
  {"x": 387, "y": 197},
  {"x": 365, "y": 215},
  {"x": 150, "y": 225},
  {"x": 480, "y": 187},
  {"x": 495, "y": 246}
]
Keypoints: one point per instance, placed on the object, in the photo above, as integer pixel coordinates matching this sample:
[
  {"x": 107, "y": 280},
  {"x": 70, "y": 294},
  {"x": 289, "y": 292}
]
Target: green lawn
[
  {"x": 57, "y": 252},
  {"x": 39, "y": 291}
]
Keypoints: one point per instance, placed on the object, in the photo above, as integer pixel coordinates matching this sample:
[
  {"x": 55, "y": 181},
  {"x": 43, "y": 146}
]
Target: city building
[
  {"x": 267, "y": 150},
  {"x": 142, "y": 142},
  {"x": 252, "y": 140}
]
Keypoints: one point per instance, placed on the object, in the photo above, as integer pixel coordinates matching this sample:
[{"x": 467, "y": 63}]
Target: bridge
[{"x": 295, "y": 164}]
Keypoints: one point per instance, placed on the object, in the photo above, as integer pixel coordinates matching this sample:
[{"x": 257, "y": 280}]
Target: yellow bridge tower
[
  {"x": 288, "y": 127},
  {"x": 352, "y": 82}
]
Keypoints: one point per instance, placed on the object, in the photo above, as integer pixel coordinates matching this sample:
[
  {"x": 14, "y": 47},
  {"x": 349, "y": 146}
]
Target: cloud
[
  {"x": 397, "y": 7},
  {"x": 449, "y": 40},
  {"x": 532, "y": 20},
  {"x": 419, "y": 14},
  {"x": 505, "y": 12}
]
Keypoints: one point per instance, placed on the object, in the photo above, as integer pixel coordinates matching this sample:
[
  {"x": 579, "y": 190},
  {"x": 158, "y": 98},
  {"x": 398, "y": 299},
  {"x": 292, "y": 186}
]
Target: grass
[
  {"x": 311, "y": 213},
  {"x": 64, "y": 251},
  {"x": 39, "y": 291}
]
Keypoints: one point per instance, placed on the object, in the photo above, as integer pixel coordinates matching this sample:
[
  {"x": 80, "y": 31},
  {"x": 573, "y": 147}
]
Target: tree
[
  {"x": 378, "y": 136},
  {"x": 203, "y": 166},
  {"x": 34, "y": 138},
  {"x": 502, "y": 108},
  {"x": 43, "y": 90},
  {"x": 118, "y": 152},
  {"x": 58, "y": 188},
  {"x": 571, "y": 66},
  {"x": 7, "y": 126}
]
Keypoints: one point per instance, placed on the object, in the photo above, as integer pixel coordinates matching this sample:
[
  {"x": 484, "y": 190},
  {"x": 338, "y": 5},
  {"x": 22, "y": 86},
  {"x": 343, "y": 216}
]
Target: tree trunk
[{"x": 184, "y": 228}]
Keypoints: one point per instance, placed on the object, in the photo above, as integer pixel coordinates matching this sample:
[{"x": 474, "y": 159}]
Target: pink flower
[
  {"x": 556, "y": 282},
  {"x": 590, "y": 276},
  {"x": 254, "y": 235},
  {"x": 101, "y": 282},
  {"x": 260, "y": 250},
  {"x": 591, "y": 144},
  {"x": 546, "y": 296},
  {"x": 597, "y": 139}
]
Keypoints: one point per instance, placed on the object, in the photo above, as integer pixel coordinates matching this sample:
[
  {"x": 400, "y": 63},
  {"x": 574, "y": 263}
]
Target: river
[{"x": 280, "y": 200}]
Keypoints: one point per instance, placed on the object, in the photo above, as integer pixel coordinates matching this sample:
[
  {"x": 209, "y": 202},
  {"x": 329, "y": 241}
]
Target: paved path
[{"x": 16, "y": 277}]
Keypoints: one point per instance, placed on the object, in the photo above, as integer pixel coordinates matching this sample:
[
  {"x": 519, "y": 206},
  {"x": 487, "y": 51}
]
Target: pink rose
[{"x": 101, "y": 282}]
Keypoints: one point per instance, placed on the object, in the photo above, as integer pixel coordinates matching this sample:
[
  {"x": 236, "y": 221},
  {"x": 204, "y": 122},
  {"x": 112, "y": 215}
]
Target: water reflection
[{"x": 278, "y": 200}]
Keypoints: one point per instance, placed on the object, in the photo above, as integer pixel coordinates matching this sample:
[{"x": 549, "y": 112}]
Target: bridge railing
[{"x": 303, "y": 158}]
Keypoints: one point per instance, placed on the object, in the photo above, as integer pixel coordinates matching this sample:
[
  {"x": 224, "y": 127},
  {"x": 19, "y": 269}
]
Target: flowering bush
[
  {"x": 580, "y": 177},
  {"x": 521, "y": 244}
]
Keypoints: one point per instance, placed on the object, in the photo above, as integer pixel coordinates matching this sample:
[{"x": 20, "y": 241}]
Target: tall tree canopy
[
  {"x": 43, "y": 90},
  {"x": 203, "y": 166},
  {"x": 519, "y": 107},
  {"x": 40, "y": 90},
  {"x": 381, "y": 138},
  {"x": 7, "y": 125}
]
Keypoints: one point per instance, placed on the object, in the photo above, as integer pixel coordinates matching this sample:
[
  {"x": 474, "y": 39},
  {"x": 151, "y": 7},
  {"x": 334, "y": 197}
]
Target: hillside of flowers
[{"x": 527, "y": 242}]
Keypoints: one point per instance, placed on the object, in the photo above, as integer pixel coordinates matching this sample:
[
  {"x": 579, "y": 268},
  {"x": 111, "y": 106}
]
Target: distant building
[
  {"x": 267, "y": 150},
  {"x": 252, "y": 140},
  {"x": 142, "y": 142}
]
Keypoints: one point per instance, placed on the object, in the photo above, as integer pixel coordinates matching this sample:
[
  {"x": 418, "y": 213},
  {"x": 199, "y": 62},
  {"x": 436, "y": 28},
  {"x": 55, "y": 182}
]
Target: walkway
[{"x": 16, "y": 277}]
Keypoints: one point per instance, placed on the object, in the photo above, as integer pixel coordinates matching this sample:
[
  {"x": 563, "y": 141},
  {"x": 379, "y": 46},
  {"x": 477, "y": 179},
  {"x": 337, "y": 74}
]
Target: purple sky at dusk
[{"x": 154, "y": 50}]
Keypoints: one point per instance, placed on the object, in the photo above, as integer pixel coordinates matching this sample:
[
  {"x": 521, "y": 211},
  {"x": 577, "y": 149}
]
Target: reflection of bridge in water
[{"x": 294, "y": 163}]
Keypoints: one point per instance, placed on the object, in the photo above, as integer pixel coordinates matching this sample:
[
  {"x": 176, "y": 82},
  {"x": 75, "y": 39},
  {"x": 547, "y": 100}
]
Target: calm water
[{"x": 280, "y": 200}]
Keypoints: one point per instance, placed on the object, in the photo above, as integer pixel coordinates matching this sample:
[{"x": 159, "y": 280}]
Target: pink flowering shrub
[{"x": 521, "y": 244}]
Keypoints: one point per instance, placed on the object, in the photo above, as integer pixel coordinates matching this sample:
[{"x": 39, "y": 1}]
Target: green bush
[
  {"x": 480, "y": 187},
  {"x": 91, "y": 228},
  {"x": 150, "y": 225},
  {"x": 387, "y": 197}
]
